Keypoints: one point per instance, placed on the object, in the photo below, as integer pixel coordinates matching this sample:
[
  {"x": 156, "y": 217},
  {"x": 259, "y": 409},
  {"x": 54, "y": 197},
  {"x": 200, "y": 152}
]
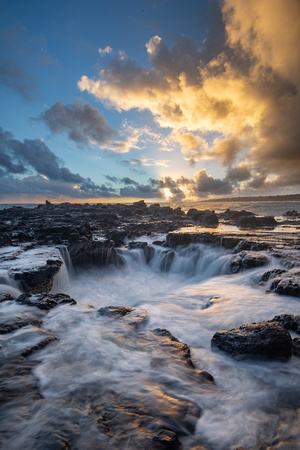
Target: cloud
[
  {"x": 128, "y": 181},
  {"x": 14, "y": 77},
  {"x": 239, "y": 173},
  {"x": 241, "y": 85},
  {"x": 84, "y": 124},
  {"x": 141, "y": 191},
  {"x": 105, "y": 51},
  {"x": 33, "y": 155},
  {"x": 206, "y": 184}
]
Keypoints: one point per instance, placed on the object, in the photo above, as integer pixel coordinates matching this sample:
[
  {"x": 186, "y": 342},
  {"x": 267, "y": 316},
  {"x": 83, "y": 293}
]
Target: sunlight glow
[{"x": 168, "y": 193}]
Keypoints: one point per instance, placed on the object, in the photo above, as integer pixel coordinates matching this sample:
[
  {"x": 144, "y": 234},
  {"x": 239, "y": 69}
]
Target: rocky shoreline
[{"x": 33, "y": 242}]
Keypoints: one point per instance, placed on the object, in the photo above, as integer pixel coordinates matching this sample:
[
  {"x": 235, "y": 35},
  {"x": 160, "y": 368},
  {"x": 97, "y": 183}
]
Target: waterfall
[
  {"x": 8, "y": 285},
  {"x": 196, "y": 260},
  {"x": 63, "y": 279}
]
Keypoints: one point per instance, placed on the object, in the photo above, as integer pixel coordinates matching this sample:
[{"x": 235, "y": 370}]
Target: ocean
[{"x": 253, "y": 402}]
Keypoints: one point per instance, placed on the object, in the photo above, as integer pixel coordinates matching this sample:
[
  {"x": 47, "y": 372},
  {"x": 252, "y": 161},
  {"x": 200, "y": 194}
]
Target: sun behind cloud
[{"x": 168, "y": 193}]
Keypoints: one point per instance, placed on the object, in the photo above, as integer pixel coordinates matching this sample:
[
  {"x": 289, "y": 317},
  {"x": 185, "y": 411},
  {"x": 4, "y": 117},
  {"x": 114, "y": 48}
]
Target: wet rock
[
  {"x": 296, "y": 346},
  {"x": 173, "y": 344},
  {"x": 5, "y": 297},
  {"x": 247, "y": 260},
  {"x": 235, "y": 216},
  {"x": 96, "y": 253},
  {"x": 257, "y": 222},
  {"x": 166, "y": 439},
  {"x": 174, "y": 239},
  {"x": 20, "y": 321},
  {"x": 270, "y": 274},
  {"x": 38, "y": 279},
  {"x": 208, "y": 219},
  {"x": 258, "y": 339},
  {"x": 289, "y": 321},
  {"x": 130, "y": 316},
  {"x": 45, "y": 301},
  {"x": 287, "y": 286},
  {"x": 25, "y": 342}
]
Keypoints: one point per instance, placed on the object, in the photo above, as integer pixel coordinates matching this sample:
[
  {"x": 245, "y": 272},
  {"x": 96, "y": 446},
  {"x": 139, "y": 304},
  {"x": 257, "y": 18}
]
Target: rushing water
[{"x": 193, "y": 295}]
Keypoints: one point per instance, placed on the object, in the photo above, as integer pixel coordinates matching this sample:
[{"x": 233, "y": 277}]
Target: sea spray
[{"x": 190, "y": 292}]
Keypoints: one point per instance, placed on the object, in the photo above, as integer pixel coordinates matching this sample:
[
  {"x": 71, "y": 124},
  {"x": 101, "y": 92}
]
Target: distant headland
[{"x": 261, "y": 198}]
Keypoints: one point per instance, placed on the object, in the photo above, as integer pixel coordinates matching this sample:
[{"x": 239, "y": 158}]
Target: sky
[{"x": 143, "y": 99}]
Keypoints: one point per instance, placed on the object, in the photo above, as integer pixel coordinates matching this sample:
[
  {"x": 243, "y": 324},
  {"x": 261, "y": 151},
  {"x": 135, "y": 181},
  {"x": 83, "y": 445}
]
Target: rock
[
  {"x": 174, "y": 239},
  {"x": 38, "y": 279},
  {"x": 257, "y": 222},
  {"x": 97, "y": 253},
  {"x": 5, "y": 297},
  {"x": 167, "y": 439},
  {"x": 25, "y": 343},
  {"x": 20, "y": 321},
  {"x": 130, "y": 316},
  {"x": 287, "y": 286},
  {"x": 208, "y": 219},
  {"x": 235, "y": 216},
  {"x": 247, "y": 260},
  {"x": 270, "y": 274},
  {"x": 296, "y": 346},
  {"x": 45, "y": 301},
  {"x": 288, "y": 321},
  {"x": 258, "y": 339}
]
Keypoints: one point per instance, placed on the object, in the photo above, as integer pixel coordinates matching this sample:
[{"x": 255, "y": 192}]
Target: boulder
[
  {"x": 247, "y": 260},
  {"x": 45, "y": 301},
  {"x": 256, "y": 222},
  {"x": 95, "y": 253},
  {"x": 130, "y": 316},
  {"x": 267, "y": 339},
  {"x": 288, "y": 321},
  {"x": 37, "y": 279},
  {"x": 296, "y": 346},
  {"x": 208, "y": 219}
]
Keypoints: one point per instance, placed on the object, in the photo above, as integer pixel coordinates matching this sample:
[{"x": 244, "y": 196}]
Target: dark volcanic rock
[
  {"x": 256, "y": 222},
  {"x": 258, "y": 339},
  {"x": 209, "y": 220},
  {"x": 287, "y": 286},
  {"x": 289, "y": 321},
  {"x": 45, "y": 301},
  {"x": 130, "y": 316},
  {"x": 247, "y": 260},
  {"x": 5, "y": 297},
  {"x": 283, "y": 282},
  {"x": 96, "y": 253},
  {"x": 296, "y": 346},
  {"x": 174, "y": 239},
  {"x": 38, "y": 279},
  {"x": 25, "y": 343},
  {"x": 270, "y": 274},
  {"x": 20, "y": 321}
]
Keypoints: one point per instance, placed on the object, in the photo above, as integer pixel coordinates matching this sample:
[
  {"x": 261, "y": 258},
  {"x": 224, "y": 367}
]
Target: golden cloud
[{"x": 248, "y": 93}]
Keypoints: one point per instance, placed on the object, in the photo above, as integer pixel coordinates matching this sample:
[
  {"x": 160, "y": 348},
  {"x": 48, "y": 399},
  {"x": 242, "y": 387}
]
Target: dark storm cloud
[
  {"x": 128, "y": 181},
  {"x": 239, "y": 173},
  {"x": 206, "y": 184},
  {"x": 17, "y": 157},
  {"x": 141, "y": 191},
  {"x": 112, "y": 179},
  {"x": 83, "y": 123},
  {"x": 14, "y": 77}
]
